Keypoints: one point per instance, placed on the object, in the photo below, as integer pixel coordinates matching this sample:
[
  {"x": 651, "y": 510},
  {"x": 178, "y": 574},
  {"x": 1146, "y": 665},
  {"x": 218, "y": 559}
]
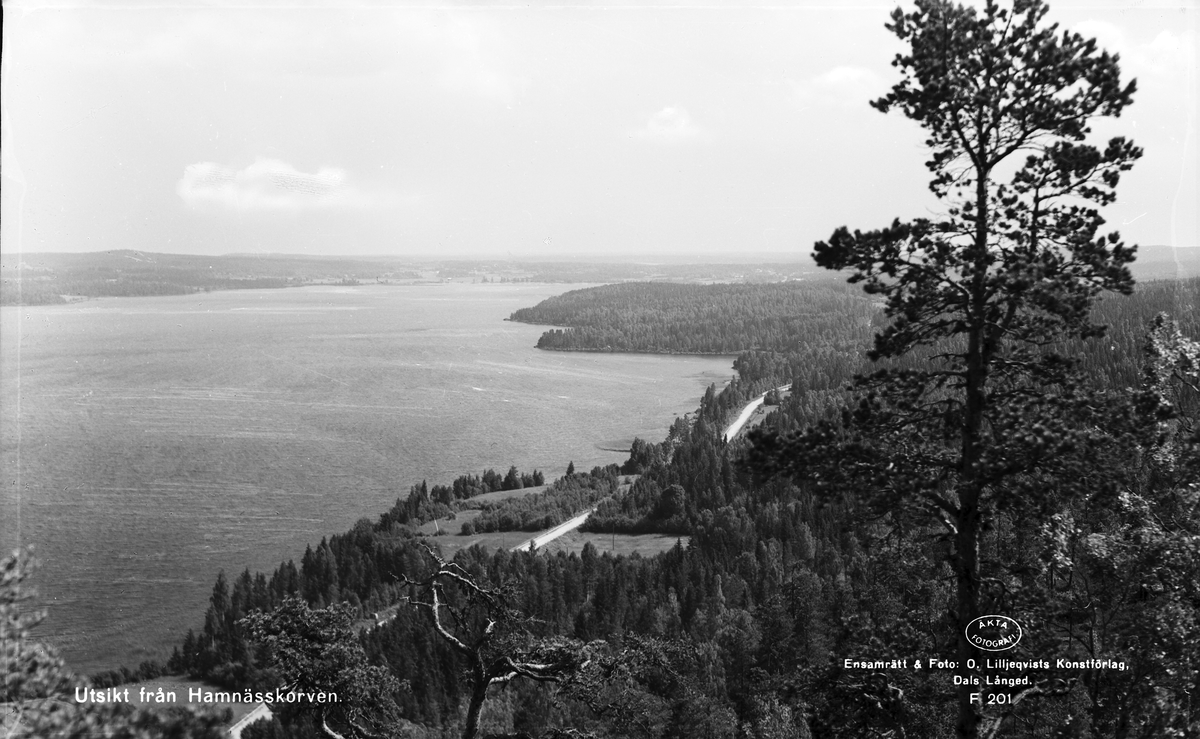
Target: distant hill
[
  {"x": 37, "y": 279},
  {"x": 32, "y": 279},
  {"x": 1165, "y": 262}
]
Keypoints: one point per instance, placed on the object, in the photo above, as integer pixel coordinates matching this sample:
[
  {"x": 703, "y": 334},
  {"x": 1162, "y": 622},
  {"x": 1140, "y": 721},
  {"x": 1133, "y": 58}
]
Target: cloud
[
  {"x": 670, "y": 125},
  {"x": 840, "y": 86},
  {"x": 267, "y": 185}
]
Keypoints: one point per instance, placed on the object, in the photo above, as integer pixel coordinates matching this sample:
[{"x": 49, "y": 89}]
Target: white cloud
[
  {"x": 672, "y": 124},
  {"x": 840, "y": 86},
  {"x": 267, "y": 185}
]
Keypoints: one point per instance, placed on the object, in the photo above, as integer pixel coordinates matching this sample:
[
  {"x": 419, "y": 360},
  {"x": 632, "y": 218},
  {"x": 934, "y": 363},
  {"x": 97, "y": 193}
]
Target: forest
[
  {"x": 540, "y": 511},
  {"x": 744, "y": 632},
  {"x": 1001, "y": 428},
  {"x": 699, "y": 319}
]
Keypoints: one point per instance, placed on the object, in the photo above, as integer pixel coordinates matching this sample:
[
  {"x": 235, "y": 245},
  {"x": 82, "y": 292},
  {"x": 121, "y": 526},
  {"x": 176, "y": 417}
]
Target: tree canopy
[
  {"x": 317, "y": 650},
  {"x": 990, "y": 416}
]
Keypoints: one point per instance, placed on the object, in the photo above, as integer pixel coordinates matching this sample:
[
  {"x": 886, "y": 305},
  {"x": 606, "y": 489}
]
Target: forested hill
[
  {"x": 39, "y": 279},
  {"x": 701, "y": 319},
  {"x": 48, "y": 278}
]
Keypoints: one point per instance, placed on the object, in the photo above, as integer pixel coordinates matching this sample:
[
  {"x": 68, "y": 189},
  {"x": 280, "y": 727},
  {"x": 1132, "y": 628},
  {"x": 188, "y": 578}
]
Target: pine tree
[
  {"x": 1011, "y": 266},
  {"x": 317, "y": 650}
]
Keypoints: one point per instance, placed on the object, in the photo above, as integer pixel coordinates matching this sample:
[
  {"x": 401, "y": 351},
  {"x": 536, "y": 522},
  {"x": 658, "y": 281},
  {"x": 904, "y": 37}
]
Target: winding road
[
  {"x": 748, "y": 411},
  {"x": 260, "y": 711},
  {"x": 546, "y": 537},
  {"x": 550, "y": 535}
]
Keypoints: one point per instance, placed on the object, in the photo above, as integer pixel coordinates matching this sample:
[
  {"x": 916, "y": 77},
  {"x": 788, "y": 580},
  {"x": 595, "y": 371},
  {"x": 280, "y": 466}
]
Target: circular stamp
[{"x": 993, "y": 633}]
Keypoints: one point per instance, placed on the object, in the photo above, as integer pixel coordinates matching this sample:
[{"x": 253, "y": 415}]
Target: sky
[{"x": 510, "y": 131}]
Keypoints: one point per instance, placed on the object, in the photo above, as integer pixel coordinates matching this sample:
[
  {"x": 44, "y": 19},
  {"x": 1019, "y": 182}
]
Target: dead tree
[{"x": 494, "y": 637}]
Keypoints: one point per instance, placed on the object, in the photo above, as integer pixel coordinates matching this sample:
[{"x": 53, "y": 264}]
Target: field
[
  {"x": 451, "y": 543},
  {"x": 443, "y": 526},
  {"x": 505, "y": 539},
  {"x": 645, "y": 545},
  {"x": 472, "y": 508},
  {"x": 150, "y": 442}
]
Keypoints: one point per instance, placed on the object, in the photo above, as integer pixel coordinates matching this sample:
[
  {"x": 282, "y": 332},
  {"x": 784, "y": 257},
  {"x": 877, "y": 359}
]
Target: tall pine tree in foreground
[{"x": 977, "y": 297}]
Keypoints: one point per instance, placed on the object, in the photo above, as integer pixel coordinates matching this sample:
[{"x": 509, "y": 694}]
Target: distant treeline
[
  {"x": 40, "y": 279},
  {"x": 675, "y": 318},
  {"x": 26, "y": 292},
  {"x": 539, "y": 511},
  {"x": 426, "y": 504},
  {"x": 810, "y": 334},
  {"x": 596, "y": 272},
  {"x": 56, "y": 277}
]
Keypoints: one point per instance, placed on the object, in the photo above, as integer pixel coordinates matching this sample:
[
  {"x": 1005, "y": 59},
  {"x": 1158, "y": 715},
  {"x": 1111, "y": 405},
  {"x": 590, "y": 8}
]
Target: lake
[{"x": 150, "y": 442}]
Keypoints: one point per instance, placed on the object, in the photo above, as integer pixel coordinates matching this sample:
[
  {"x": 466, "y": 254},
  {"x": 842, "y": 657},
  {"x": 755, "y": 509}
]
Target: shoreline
[{"x": 731, "y": 355}]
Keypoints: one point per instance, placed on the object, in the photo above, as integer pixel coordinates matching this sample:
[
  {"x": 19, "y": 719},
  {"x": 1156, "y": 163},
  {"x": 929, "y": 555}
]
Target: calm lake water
[{"x": 150, "y": 442}]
